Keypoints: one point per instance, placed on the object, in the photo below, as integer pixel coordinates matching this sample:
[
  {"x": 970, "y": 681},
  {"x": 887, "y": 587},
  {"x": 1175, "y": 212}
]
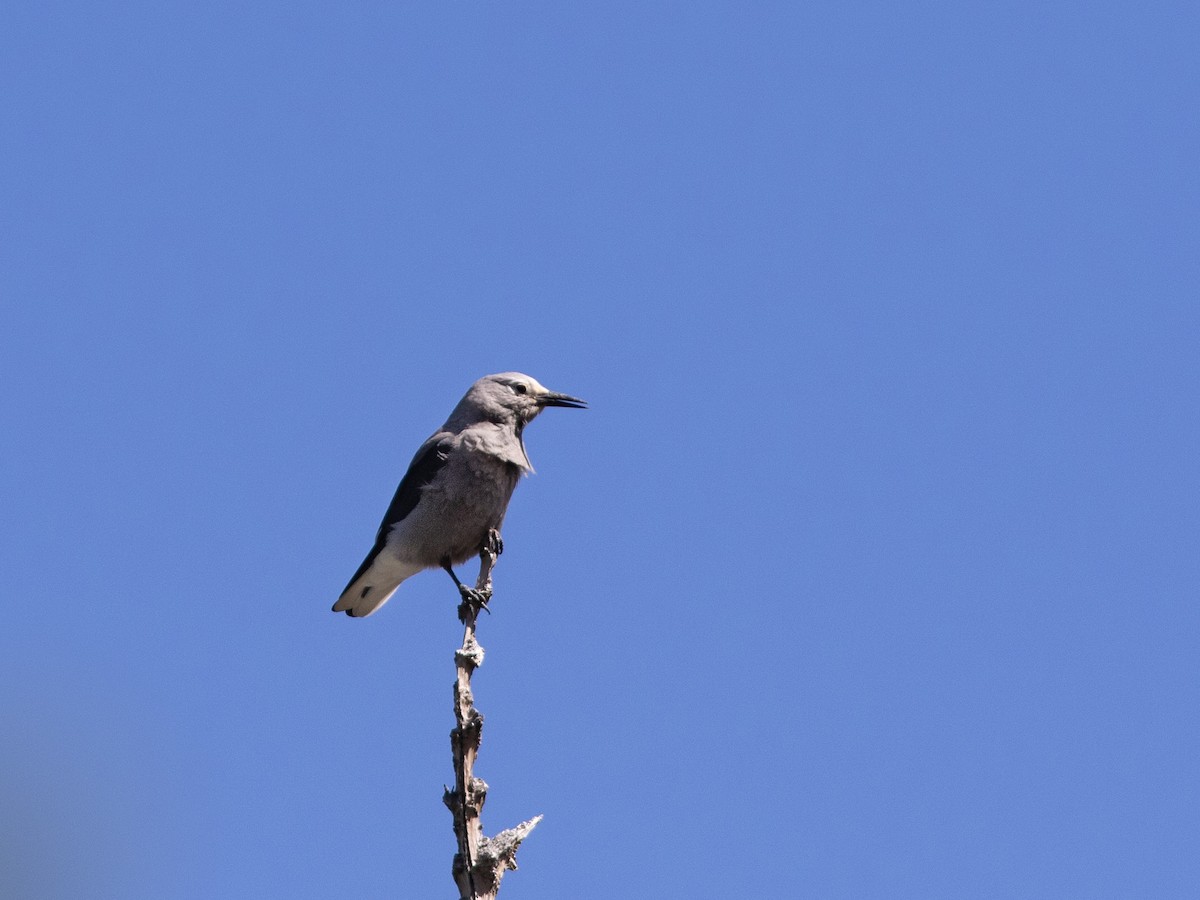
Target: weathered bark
[{"x": 480, "y": 862}]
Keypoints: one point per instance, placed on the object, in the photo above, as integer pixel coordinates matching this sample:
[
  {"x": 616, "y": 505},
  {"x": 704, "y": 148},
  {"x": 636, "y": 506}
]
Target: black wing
[{"x": 421, "y": 471}]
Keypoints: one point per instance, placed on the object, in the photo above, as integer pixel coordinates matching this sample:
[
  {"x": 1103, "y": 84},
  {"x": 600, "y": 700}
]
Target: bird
[{"x": 452, "y": 500}]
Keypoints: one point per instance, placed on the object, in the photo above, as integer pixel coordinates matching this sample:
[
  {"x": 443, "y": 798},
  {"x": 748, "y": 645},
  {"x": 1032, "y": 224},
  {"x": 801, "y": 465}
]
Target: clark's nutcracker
[{"x": 456, "y": 490}]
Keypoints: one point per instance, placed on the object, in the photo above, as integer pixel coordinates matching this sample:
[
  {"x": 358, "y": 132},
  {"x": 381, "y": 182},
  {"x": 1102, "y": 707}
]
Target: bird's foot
[
  {"x": 494, "y": 544},
  {"x": 472, "y": 602}
]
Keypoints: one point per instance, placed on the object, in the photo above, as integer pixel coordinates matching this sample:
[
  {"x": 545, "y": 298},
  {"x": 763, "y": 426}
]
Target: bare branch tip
[{"x": 501, "y": 850}]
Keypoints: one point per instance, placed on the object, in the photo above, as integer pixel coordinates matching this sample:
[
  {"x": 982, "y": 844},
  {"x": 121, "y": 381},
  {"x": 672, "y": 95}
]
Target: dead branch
[{"x": 480, "y": 862}]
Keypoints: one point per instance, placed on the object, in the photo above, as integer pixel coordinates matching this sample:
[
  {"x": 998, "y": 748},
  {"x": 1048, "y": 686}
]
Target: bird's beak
[{"x": 550, "y": 398}]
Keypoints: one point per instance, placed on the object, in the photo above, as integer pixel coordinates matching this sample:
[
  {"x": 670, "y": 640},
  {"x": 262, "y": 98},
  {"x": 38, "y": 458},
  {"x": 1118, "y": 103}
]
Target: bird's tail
[{"x": 372, "y": 586}]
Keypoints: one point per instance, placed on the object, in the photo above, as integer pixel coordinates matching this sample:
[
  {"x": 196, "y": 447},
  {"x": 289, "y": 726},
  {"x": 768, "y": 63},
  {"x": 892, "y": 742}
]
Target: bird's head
[{"x": 513, "y": 397}]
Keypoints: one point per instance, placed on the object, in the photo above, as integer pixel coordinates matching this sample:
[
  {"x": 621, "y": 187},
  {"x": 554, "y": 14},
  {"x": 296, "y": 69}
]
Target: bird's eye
[{"x": 520, "y": 388}]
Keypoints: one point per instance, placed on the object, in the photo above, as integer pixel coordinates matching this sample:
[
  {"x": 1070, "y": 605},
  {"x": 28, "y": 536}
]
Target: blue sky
[{"x": 871, "y": 572}]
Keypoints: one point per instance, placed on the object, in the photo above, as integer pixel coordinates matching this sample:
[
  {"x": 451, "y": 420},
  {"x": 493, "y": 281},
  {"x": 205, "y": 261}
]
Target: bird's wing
[{"x": 421, "y": 471}]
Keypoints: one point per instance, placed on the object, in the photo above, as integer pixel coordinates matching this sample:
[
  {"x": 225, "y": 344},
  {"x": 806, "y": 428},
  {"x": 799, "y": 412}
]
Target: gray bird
[{"x": 456, "y": 489}]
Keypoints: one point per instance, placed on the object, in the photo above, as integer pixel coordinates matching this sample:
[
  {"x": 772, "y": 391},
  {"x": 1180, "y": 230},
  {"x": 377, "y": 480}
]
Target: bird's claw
[{"x": 494, "y": 543}]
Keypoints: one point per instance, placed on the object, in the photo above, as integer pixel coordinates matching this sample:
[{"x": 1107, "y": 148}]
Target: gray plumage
[{"x": 456, "y": 489}]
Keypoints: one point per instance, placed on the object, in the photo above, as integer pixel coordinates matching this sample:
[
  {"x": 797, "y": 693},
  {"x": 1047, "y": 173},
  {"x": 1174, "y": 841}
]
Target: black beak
[{"x": 552, "y": 399}]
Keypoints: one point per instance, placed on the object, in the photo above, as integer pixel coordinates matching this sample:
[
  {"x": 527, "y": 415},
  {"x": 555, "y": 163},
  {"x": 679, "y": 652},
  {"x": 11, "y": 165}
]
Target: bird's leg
[
  {"x": 470, "y": 597},
  {"x": 493, "y": 543}
]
